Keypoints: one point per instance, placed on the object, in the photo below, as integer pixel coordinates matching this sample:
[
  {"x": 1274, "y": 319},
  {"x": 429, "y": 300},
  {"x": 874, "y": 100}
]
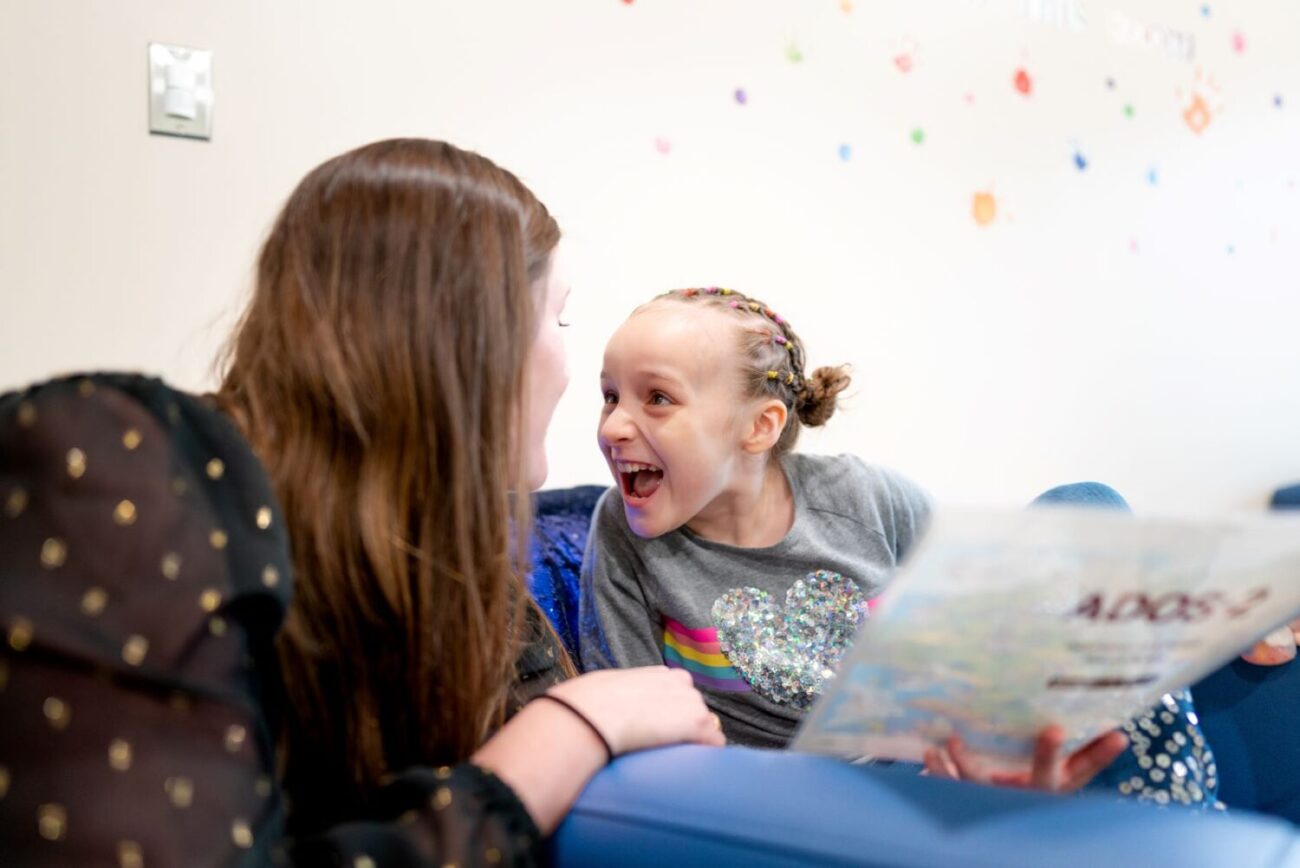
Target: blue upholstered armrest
[{"x": 687, "y": 806}]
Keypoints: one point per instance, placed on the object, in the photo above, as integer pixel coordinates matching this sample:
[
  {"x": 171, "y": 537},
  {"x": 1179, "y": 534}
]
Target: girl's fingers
[
  {"x": 967, "y": 767},
  {"x": 1047, "y": 771},
  {"x": 1085, "y": 763},
  {"x": 940, "y": 764},
  {"x": 1009, "y": 779}
]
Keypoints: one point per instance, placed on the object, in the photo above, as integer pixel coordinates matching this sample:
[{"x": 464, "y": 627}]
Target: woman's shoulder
[{"x": 144, "y": 568}]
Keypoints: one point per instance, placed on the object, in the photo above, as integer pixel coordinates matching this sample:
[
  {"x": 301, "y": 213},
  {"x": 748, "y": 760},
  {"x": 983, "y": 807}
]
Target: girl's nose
[{"x": 617, "y": 427}]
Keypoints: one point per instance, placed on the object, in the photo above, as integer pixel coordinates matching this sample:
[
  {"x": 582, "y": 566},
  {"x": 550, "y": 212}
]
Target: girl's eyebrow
[
  {"x": 650, "y": 374},
  {"x": 657, "y": 374}
]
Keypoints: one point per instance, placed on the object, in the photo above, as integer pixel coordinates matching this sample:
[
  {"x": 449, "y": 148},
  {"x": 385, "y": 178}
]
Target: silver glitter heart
[{"x": 787, "y": 654}]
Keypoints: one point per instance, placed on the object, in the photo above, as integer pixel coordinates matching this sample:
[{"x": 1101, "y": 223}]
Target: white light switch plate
[{"x": 180, "y": 91}]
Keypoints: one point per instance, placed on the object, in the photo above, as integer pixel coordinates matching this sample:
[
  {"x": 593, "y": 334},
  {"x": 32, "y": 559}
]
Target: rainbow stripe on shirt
[{"x": 697, "y": 651}]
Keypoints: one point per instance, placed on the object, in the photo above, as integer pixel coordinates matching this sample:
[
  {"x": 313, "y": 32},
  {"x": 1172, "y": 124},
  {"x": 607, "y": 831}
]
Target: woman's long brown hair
[{"x": 379, "y": 374}]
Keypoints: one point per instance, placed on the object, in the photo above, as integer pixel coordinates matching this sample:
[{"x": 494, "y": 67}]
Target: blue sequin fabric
[
  {"x": 562, "y": 518},
  {"x": 1167, "y": 761}
]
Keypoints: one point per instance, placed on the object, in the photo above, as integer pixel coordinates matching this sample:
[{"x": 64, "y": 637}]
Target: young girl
[
  {"x": 711, "y": 501},
  {"x": 723, "y": 553}
]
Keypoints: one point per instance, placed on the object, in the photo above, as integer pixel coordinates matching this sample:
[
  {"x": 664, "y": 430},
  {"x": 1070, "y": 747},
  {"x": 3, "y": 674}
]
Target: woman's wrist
[
  {"x": 546, "y": 756},
  {"x": 578, "y": 714}
]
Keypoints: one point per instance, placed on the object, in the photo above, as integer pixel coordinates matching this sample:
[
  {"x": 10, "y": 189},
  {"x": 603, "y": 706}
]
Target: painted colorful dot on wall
[
  {"x": 1201, "y": 108},
  {"x": 1132, "y": 245},
  {"x": 740, "y": 96},
  {"x": 1277, "y": 100},
  {"x": 905, "y": 54},
  {"x": 846, "y": 6},
  {"x": 1079, "y": 160},
  {"x": 846, "y": 153},
  {"x": 663, "y": 146},
  {"x": 1239, "y": 42},
  {"x": 1128, "y": 110},
  {"x": 1023, "y": 83},
  {"x": 1197, "y": 114},
  {"x": 918, "y": 136},
  {"x": 984, "y": 208},
  {"x": 792, "y": 53},
  {"x": 1153, "y": 177}
]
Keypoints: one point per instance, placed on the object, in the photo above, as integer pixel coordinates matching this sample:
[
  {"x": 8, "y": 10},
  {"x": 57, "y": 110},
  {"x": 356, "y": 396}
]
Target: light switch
[{"x": 180, "y": 91}]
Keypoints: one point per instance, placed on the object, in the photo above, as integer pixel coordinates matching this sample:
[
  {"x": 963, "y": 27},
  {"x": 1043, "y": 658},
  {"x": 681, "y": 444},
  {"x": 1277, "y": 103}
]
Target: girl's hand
[
  {"x": 642, "y": 708},
  {"x": 1050, "y": 771}
]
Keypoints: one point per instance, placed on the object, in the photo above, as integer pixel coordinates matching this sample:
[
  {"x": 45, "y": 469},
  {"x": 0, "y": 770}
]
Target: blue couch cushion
[{"x": 672, "y": 807}]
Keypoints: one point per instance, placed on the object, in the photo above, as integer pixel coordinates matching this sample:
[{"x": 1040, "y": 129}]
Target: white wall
[{"x": 1100, "y": 327}]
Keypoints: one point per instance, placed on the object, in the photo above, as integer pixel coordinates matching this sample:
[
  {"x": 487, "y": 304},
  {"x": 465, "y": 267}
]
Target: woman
[
  {"x": 424, "y": 281},
  {"x": 395, "y": 373}
]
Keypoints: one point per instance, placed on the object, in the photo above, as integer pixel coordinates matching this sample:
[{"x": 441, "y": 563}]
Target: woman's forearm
[{"x": 546, "y": 755}]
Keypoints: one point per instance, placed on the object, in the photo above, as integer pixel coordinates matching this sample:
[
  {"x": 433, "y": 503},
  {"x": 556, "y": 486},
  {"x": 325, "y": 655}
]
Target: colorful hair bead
[
  {"x": 754, "y": 306},
  {"x": 712, "y": 290},
  {"x": 726, "y": 291},
  {"x": 789, "y": 378},
  {"x": 780, "y": 339},
  {"x": 772, "y": 375},
  {"x": 735, "y": 304},
  {"x": 689, "y": 293}
]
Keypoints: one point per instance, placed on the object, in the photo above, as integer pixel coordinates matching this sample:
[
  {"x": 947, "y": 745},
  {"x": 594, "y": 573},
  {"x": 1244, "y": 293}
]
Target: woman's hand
[
  {"x": 1050, "y": 771},
  {"x": 641, "y": 708}
]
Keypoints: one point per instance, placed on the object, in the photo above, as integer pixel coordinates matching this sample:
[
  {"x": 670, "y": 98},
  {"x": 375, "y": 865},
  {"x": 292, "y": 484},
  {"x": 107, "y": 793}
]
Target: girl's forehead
[
  {"x": 693, "y": 339},
  {"x": 686, "y": 320}
]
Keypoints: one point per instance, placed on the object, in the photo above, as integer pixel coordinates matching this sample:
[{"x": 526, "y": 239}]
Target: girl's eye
[
  {"x": 611, "y": 398},
  {"x": 562, "y": 324},
  {"x": 659, "y": 399}
]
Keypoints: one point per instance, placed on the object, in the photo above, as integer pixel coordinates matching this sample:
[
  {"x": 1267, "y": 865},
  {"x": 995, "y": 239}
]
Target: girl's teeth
[{"x": 633, "y": 466}]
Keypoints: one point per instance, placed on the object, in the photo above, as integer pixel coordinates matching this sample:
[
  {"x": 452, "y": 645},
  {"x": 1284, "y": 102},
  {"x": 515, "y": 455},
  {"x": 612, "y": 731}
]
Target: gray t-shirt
[{"x": 758, "y": 628}]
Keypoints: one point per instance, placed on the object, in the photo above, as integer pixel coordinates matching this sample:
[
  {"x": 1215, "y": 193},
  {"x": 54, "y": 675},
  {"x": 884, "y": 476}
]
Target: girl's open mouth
[{"x": 638, "y": 481}]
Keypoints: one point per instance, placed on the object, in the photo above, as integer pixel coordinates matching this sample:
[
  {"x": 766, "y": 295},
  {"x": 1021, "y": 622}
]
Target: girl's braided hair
[{"x": 773, "y": 361}]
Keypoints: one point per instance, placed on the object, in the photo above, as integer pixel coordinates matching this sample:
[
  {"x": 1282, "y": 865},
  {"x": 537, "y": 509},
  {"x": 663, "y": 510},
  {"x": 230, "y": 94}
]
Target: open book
[{"x": 1002, "y": 623}]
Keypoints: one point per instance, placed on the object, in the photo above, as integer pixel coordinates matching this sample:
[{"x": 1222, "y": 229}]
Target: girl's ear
[{"x": 765, "y": 427}]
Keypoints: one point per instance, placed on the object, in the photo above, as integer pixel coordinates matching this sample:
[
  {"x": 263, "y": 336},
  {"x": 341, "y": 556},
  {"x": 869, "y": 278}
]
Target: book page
[{"x": 1000, "y": 624}]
